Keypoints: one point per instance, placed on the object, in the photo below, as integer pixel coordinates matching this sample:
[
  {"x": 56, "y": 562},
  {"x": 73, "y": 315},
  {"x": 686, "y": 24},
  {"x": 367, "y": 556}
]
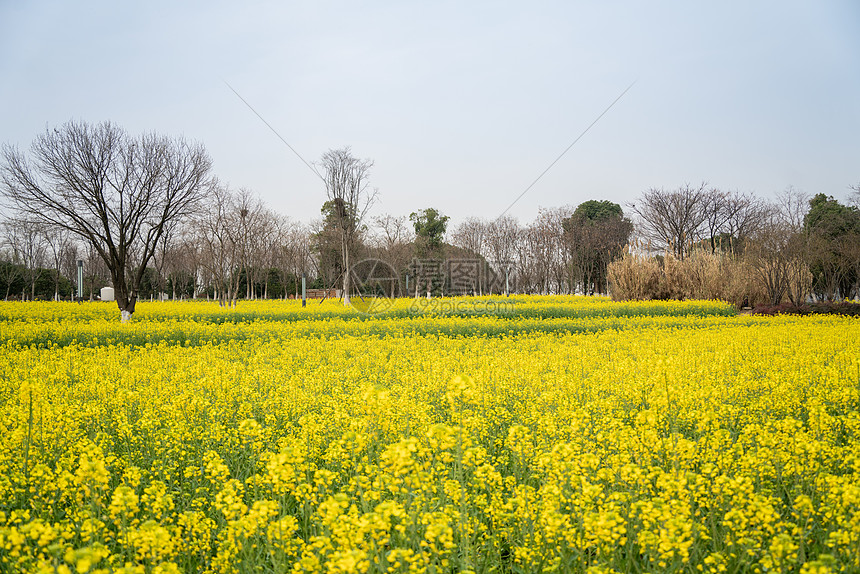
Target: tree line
[
  {"x": 148, "y": 217},
  {"x": 738, "y": 247}
]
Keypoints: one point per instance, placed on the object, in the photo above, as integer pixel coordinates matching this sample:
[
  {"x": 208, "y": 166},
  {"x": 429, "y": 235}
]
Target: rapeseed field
[{"x": 522, "y": 434}]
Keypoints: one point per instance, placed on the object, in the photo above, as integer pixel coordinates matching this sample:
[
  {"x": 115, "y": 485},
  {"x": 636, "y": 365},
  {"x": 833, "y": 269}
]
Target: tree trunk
[
  {"x": 125, "y": 297},
  {"x": 126, "y": 305}
]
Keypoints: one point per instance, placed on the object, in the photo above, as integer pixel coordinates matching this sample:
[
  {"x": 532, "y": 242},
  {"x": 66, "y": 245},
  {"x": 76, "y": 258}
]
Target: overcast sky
[{"x": 461, "y": 105}]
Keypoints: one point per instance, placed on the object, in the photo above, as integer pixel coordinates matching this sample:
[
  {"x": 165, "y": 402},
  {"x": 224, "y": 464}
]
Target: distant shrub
[
  {"x": 846, "y": 308},
  {"x": 702, "y": 275},
  {"x": 634, "y": 277}
]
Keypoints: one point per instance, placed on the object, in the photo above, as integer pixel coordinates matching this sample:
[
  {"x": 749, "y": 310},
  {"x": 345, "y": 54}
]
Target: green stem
[{"x": 27, "y": 443}]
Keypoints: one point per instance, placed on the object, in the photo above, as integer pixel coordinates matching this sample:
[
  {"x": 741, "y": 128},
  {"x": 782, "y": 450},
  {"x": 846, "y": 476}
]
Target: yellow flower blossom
[{"x": 563, "y": 434}]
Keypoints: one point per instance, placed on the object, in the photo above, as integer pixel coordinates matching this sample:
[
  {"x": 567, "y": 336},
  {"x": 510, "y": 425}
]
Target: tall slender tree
[{"x": 347, "y": 188}]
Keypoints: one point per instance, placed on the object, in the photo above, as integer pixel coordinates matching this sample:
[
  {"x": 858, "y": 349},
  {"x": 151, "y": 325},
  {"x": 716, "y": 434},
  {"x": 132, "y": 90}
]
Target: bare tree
[
  {"x": 235, "y": 237},
  {"x": 69, "y": 262},
  {"x": 265, "y": 245},
  {"x": 27, "y": 240},
  {"x": 731, "y": 217},
  {"x": 113, "y": 191},
  {"x": 96, "y": 273},
  {"x": 284, "y": 252},
  {"x": 162, "y": 256},
  {"x": 531, "y": 262},
  {"x": 302, "y": 261},
  {"x": 778, "y": 252},
  {"x": 181, "y": 265},
  {"x": 393, "y": 240},
  {"x": 745, "y": 216},
  {"x": 673, "y": 219},
  {"x": 714, "y": 216},
  {"x": 546, "y": 247},
  {"x": 502, "y": 238},
  {"x": 392, "y": 231},
  {"x": 10, "y": 265},
  {"x": 218, "y": 237},
  {"x": 471, "y": 235},
  {"x": 254, "y": 234},
  {"x": 791, "y": 208},
  {"x": 58, "y": 242},
  {"x": 346, "y": 183}
]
